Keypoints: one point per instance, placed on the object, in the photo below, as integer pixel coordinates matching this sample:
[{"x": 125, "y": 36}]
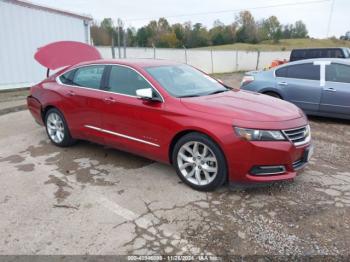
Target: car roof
[
  {"x": 137, "y": 63},
  {"x": 317, "y": 48},
  {"x": 305, "y": 61}
]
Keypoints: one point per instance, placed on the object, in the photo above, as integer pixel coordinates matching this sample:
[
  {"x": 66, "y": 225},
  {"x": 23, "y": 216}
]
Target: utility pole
[{"x": 330, "y": 17}]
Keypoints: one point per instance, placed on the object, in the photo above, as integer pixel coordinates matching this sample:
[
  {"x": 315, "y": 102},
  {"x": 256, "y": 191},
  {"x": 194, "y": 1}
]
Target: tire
[
  {"x": 200, "y": 168},
  {"x": 57, "y": 128},
  {"x": 273, "y": 94}
]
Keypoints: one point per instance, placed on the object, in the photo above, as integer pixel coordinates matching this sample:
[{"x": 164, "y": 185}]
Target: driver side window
[{"x": 123, "y": 80}]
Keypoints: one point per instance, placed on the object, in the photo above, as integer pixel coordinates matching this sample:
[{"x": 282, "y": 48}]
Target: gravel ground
[{"x": 89, "y": 199}]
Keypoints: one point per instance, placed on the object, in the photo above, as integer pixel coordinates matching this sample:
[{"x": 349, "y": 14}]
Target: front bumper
[{"x": 257, "y": 155}]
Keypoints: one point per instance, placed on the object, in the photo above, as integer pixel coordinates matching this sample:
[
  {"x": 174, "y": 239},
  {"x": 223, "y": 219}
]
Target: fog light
[{"x": 267, "y": 170}]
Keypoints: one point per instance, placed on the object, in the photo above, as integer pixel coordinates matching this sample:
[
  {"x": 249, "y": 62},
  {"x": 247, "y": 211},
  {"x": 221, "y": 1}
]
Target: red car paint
[
  {"x": 155, "y": 126},
  {"x": 52, "y": 57}
]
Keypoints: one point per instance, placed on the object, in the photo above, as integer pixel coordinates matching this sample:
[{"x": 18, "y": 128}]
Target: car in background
[
  {"x": 300, "y": 83},
  {"x": 310, "y": 53},
  {"x": 172, "y": 113}
]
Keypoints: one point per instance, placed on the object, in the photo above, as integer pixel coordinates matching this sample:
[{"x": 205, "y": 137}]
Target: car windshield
[{"x": 185, "y": 81}]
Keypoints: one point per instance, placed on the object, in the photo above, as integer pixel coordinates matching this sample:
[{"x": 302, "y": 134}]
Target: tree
[
  {"x": 217, "y": 33},
  {"x": 200, "y": 35},
  {"x": 271, "y": 29},
  {"x": 107, "y": 24},
  {"x": 131, "y": 36},
  {"x": 247, "y": 29},
  {"x": 221, "y": 34},
  {"x": 142, "y": 37},
  {"x": 162, "y": 34},
  {"x": 179, "y": 31},
  {"x": 287, "y": 31},
  {"x": 168, "y": 40},
  {"x": 299, "y": 30}
]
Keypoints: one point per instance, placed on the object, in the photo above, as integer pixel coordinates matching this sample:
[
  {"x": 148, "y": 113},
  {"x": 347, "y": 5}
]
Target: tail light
[{"x": 246, "y": 80}]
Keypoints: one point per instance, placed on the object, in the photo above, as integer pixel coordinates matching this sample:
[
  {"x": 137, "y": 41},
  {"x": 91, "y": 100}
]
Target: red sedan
[{"x": 172, "y": 113}]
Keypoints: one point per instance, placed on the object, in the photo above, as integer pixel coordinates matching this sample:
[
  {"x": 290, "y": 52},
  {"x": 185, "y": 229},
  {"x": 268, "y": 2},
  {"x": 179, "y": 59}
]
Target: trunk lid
[{"x": 65, "y": 53}]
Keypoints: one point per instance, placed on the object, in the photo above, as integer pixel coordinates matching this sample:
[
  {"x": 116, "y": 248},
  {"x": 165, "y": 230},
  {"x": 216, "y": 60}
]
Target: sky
[{"x": 137, "y": 13}]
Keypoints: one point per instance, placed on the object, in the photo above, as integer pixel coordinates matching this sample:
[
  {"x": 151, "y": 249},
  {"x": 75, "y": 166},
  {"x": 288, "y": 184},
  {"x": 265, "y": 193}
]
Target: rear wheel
[
  {"x": 199, "y": 162},
  {"x": 57, "y": 128},
  {"x": 273, "y": 94}
]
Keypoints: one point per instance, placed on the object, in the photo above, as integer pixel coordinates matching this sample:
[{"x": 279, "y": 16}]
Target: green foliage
[
  {"x": 244, "y": 29},
  {"x": 270, "y": 29}
]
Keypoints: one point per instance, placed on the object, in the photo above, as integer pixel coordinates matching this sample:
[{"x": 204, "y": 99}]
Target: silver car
[{"x": 318, "y": 86}]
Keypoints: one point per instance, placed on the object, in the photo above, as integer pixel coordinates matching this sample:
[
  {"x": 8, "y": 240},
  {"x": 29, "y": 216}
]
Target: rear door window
[
  {"x": 307, "y": 71},
  {"x": 338, "y": 73},
  {"x": 67, "y": 78},
  {"x": 89, "y": 76}
]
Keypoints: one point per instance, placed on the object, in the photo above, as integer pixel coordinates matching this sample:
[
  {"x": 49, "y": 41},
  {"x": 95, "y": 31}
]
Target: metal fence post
[
  {"x": 257, "y": 60},
  {"x": 112, "y": 47},
  {"x": 154, "y": 51},
  {"x": 237, "y": 65},
  {"x": 185, "y": 53},
  {"x": 212, "y": 62}
]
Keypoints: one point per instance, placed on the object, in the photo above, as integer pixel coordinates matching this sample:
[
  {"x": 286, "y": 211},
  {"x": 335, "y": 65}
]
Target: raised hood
[
  {"x": 65, "y": 53},
  {"x": 244, "y": 105}
]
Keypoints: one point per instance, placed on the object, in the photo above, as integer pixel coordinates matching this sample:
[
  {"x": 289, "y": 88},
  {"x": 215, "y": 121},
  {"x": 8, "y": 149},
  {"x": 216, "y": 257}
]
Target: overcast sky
[{"x": 139, "y": 12}]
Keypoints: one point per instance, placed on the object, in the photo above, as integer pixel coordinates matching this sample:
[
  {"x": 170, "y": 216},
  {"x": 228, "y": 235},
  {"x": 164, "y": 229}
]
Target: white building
[{"x": 24, "y": 28}]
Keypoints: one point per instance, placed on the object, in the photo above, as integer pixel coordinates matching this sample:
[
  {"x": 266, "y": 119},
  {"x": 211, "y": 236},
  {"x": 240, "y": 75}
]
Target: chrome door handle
[
  {"x": 109, "y": 100},
  {"x": 330, "y": 89},
  {"x": 282, "y": 83}
]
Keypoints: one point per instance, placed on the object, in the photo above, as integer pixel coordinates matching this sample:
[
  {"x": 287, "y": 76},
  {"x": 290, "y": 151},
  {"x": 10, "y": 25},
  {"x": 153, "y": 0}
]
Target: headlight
[{"x": 259, "y": 135}]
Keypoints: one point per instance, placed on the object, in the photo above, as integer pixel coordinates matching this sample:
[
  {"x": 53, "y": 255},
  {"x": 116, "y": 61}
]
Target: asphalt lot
[{"x": 89, "y": 199}]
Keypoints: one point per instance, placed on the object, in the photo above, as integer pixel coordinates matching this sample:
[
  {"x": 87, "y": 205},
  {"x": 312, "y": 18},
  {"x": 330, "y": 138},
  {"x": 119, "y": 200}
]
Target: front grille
[{"x": 298, "y": 136}]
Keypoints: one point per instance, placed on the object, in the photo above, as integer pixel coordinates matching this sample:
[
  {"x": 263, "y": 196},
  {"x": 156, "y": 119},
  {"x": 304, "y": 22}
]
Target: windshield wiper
[{"x": 189, "y": 96}]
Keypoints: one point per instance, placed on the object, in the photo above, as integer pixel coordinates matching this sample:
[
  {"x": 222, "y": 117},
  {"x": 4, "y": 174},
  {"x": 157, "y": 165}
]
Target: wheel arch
[
  {"x": 45, "y": 109},
  {"x": 271, "y": 90},
  {"x": 193, "y": 130}
]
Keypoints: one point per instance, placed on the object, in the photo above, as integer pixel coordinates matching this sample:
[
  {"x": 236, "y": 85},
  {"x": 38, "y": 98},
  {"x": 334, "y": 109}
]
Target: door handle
[
  {"x": 109, "y": 100},
  {"x": 70, "y": 93},
  {"x": 330, "y": 89},
  {"x": 282, "y": 83}
]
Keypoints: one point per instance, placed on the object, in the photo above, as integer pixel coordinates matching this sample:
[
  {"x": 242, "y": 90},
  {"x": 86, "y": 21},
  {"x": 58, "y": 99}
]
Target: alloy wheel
[
  {"x": 197, "y": 163},
  {"x": 55, "y": 127}
]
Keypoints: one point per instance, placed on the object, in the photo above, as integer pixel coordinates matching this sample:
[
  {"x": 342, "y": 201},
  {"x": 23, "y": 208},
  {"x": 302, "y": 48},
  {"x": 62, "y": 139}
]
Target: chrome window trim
[
  {"x": 121, "y": 135},
  {"x": 58, "y": 80}
]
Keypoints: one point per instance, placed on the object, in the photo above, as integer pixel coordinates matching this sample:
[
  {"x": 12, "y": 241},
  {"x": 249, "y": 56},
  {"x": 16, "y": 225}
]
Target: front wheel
[
  {"x": 199, "y": 162},
  {"x": 57, "y": 128}
]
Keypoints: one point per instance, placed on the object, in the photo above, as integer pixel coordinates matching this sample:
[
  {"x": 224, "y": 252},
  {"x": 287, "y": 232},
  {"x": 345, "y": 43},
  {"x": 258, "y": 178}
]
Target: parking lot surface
[{"x": 97, "y": 200}]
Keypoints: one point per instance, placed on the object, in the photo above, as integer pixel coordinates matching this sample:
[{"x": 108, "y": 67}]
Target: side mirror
[{"x": 147, "y": 94}]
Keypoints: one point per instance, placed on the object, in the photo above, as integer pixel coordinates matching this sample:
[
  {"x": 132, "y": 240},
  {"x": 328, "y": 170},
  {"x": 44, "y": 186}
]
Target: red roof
[{"x": 48, "y": 9}]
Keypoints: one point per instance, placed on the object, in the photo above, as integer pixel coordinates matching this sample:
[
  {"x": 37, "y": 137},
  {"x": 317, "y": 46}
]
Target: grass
[{"x": 282, "y": 45}]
